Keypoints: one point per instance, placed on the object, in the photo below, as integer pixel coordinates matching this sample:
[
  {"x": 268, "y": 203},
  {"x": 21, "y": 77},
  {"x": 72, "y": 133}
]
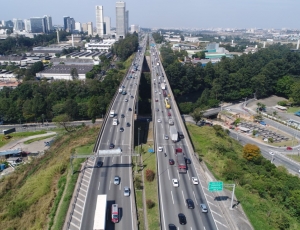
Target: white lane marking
[
  {"x": 109, "y": 185},
  {"x": 188, "y": 174},
  {"x": 169, "y": 174},
  {"x": 123, "y": 142},
  {"x": 99, "y": 186},
  {"x": 178, "y": 175},
  {"x": 112, "y": 159},
  {"x": 195, "y": 199},
  {"x": 120, "y": 185},
  {"x": 121, "y": 159},
  {"x": 172, "y": 197},
  {"x": 107, "y": 142},
  {"x": 183, "y": 197},
  {"x": 130, "y": 178}
]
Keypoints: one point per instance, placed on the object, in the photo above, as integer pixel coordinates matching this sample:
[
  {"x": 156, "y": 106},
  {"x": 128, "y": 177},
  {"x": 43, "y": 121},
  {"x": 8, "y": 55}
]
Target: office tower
[
  {"x": 120, "y": 20},
  {"x": 69, "y": 24},
  {"x": 84, "y": 27},
  {"x": 48, "y": 23},
  {"x": 135, "y": 28},
  {"x": 9, "y": 23},
  {"x": 38, "y": 25},
  {"x": 18, "y": 24},
  {"x": 78, "y": 27},
  {"x": 66, "y": 18},
  {"x": 27, "y": 25},
  {"x": 90, "y": 28},
  {"x": 99, "y": 21},
  {"x": 126, "y": 21},
  {"x": 107, "y": 25}
]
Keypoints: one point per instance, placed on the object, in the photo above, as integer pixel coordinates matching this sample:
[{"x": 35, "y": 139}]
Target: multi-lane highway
[
  {"x": 173, "y": 199},
  {"x": 102, "y": 179}
]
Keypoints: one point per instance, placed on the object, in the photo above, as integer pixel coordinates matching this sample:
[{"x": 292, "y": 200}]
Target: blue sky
[{"x": 167, "y": 13}]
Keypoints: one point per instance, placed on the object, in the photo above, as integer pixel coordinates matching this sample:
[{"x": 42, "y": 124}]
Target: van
[
  {"x": 120, "y": 90},
  {"x": 115, "y": 121}
]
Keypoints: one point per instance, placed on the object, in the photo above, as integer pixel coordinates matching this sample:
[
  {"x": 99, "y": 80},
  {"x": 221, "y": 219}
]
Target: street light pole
[{"x": 139, "y": 129}]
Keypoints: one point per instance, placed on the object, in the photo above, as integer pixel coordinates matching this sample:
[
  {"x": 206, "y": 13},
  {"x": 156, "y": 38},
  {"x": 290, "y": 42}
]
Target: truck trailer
[
  {"x": 100, "y": 213},
  {"x": 173, "y": 134},
  {"x": 181, "y": 164}
]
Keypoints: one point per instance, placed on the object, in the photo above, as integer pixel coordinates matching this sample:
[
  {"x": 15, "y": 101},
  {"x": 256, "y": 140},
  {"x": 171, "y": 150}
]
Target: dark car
[
  {"x": 121, "y": 129},
  {"x": 188, "y": 161},
  {"x": 169, "y": 114},
  {"x": 111, "y": 146},
  {"x": 182, "y": 219},
  {"x": 156, "y": 100},
  {"x": 157, "y": 110},
  {"x": 122, "y": 115},
  {"x": 190, "y": 203},
  {"x": 132, "y": 96},
  {"x": 128, "y": 124},
  {"x": 171, "y": 162},
  {"x": 99, "y": 164},
  {"x": 129, "y": 109},
  {"x": 289, "y": 148},
  {"x": 172, "y": 227}
]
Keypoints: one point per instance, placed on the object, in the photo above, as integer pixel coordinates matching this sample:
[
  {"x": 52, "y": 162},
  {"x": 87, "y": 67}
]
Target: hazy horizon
[{"x": 264, "y": 14}]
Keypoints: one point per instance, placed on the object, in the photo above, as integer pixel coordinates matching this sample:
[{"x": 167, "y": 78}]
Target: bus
[
  {"x": 114, "y": 213},
  {"x": 168, "y": 106},
  {"x": 100, "y": 213}
]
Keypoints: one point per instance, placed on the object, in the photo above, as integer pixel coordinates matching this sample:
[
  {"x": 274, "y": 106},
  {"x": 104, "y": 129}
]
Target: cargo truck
[
  {"x": 100, "y": 213},
  {"x": 173, "y": 134},
  {"x": 181, "y": 164}
]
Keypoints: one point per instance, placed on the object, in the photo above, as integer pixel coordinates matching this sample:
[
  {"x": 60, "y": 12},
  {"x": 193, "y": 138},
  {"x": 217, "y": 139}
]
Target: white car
[
  {"x": 175, "y": 182},
  {"x": 160, "y": 149},
  {"x": 159, "y": 92},
  {"x": 158, "y": 120},
  {"x": 195, "y": 180},
  {"x": 228, "y": 109}
]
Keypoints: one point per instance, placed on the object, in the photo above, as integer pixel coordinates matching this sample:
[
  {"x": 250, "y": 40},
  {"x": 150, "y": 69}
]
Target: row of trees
[
  {"x": 273, "y": 70},
  {"x": 124, "y": 48},
  {"x": 157, "y": 37}
]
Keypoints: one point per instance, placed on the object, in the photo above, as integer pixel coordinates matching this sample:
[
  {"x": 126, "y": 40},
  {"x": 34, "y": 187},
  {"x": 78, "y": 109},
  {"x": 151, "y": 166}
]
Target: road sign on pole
[{"x": 215, "y": 186}]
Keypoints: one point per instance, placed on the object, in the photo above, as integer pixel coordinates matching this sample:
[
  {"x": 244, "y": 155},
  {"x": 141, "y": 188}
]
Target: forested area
[
  {"x": 19, "y": 44},
  {"x": 32, "y": 100},
  {"x": 274, "y": 70},
  {"x": 157, "y": 38},
  {"x": 125, "y": 47}
]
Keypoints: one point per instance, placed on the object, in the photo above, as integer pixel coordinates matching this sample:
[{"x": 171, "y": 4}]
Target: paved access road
[
  {"x": 173, "y": 199},
  {"x": 102, "y": 178}
]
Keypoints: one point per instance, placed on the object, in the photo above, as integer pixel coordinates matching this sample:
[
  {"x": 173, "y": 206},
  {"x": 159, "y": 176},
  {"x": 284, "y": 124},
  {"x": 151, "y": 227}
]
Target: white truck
[
  {"x": 163, "y": 86},
  {"x": 115, "y": 121},
  {"x": 100, "y": 213},
  {"x": 120, "y": 90},
  {"x": 112, "y": 113},
  {"x": 173, "y": 134}
]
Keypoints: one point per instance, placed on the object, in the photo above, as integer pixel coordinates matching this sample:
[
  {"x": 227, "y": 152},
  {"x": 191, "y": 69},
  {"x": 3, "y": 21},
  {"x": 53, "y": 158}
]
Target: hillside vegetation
[
  {"x": 30, "y": 196},
  {"x": 270, "y": 196}
]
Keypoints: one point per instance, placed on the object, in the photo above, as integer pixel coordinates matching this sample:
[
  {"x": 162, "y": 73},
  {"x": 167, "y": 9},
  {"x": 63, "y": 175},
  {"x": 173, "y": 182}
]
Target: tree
[
  {"x": 251, "y": 152},
  {"x": 74, "y": 73},
  {"x": 63, "y": 121},
  {"x": 197, "y": 115}
]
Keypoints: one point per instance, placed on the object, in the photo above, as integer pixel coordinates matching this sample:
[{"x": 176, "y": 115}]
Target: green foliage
[
  {"x": 282, "y": 103},
  {"x": 197, "y": 115},
  {"x": 158, "y": 38},
  {"x": 124, "y": 48},
  {"x": 150, "y": 204}
]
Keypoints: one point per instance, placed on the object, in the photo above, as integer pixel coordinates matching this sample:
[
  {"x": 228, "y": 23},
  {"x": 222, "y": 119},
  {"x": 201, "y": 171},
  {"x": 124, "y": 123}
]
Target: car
[
  {"x": 171, "y": 162},
  {"x": 159, "y": 92},
  {"x": 188, "y": 161},
  {"x": 111, "y": 146},
  {"x": 172, "y": 227},
  {"x": 116, "y": 180},
  {"x": 166, "y": 137},
  {"x": 190, "y": 203},
  {"x": 126, "y": 100},
  {"x": 160, "y": 149},
  {"x": 121, "y": 129},
  {"x": 203, "y": 208},
  {"x": 289, "y": 148},
  {"x": 182, "y": 219},
  {"x": 132, "y": 96},
  {"x": 122, "y": 115},
  {"x": 156, "y": 100},
  {"x": 159, "y": 82},
  {"x": 126, "y": 191},
  {"x": 128, "y": 124},
  {"x": 228, "y": 109},
  {"x": 99, "y": 164},
  {"x": 195, "y": 180},
  {"x": 123, "y": 86},
  {"x": 155, "y": 91},
  {"x": 169, "y": 114},
  {"x": 158, "y": 120},
  {"x": 157, "y": 110},
  {"x": 129, "y": 109},
  {"x": 175, "y": 182}
]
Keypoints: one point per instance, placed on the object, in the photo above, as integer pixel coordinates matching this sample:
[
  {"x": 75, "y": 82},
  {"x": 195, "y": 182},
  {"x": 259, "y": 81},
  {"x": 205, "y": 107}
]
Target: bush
[
  {"x": 138, "y": 183},
  {"x": 150, "y": 204},
  {"x": 150, "y": 175}
]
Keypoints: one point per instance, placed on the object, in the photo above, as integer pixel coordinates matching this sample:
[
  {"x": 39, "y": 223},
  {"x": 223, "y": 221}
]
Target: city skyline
[{"x": 162, "y": 14}]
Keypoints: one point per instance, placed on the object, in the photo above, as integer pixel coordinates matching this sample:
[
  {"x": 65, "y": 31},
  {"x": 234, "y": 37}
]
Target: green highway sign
[{"x": 215, "y": 186}]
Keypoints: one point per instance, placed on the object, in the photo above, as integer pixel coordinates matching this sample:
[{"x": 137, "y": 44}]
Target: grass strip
[{"x": 38, "y": 139}]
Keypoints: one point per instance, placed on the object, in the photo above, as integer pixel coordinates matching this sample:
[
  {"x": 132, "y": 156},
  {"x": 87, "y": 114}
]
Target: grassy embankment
[
  {"x": 38, "y": 139},
  {"x": 19, "y": 135},
  {"x": 37, "y": 194},
  {"x": 260, "y": 186}
]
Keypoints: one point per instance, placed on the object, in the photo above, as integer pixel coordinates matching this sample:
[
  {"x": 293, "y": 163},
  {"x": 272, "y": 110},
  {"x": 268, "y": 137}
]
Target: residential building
[
  {"x": 18, "y": 24},
  {"x": 27, "y": 25},
  {"x": 107, "y": 25},
  {"x": 134, "y": 28},
  {"x": 99, "y": 21},
  {"x": 120, "y": 20},
  {"x": 90, "y": 28},
  {"x": 84, "y": 27}
]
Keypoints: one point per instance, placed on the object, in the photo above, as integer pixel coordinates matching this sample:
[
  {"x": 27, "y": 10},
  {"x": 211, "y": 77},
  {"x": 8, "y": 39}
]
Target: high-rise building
[
  {"x": 27, "y": 25},
  {"x": 78, "y": 27},
  {"x": 38, "y": 25},
  {"x": 99, "y": 21},
  {"x": 48, "y": 22},
  {"x": 84, "y": 27},
  {"x": 107, "y": 25},
  {"x": 18, "y": 24},
  {"x": 120, "y": 20},
  {"x": 90, "y": 28},
  {"x": 126, "y": 21},
  {"x": 66, "y": 18},
  {"x": 69, "y": 24},
  {"x": 134, "y": 28}
]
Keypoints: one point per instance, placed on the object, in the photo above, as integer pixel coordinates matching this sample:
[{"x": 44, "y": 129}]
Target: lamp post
[{"x": 139, "y": 129}]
